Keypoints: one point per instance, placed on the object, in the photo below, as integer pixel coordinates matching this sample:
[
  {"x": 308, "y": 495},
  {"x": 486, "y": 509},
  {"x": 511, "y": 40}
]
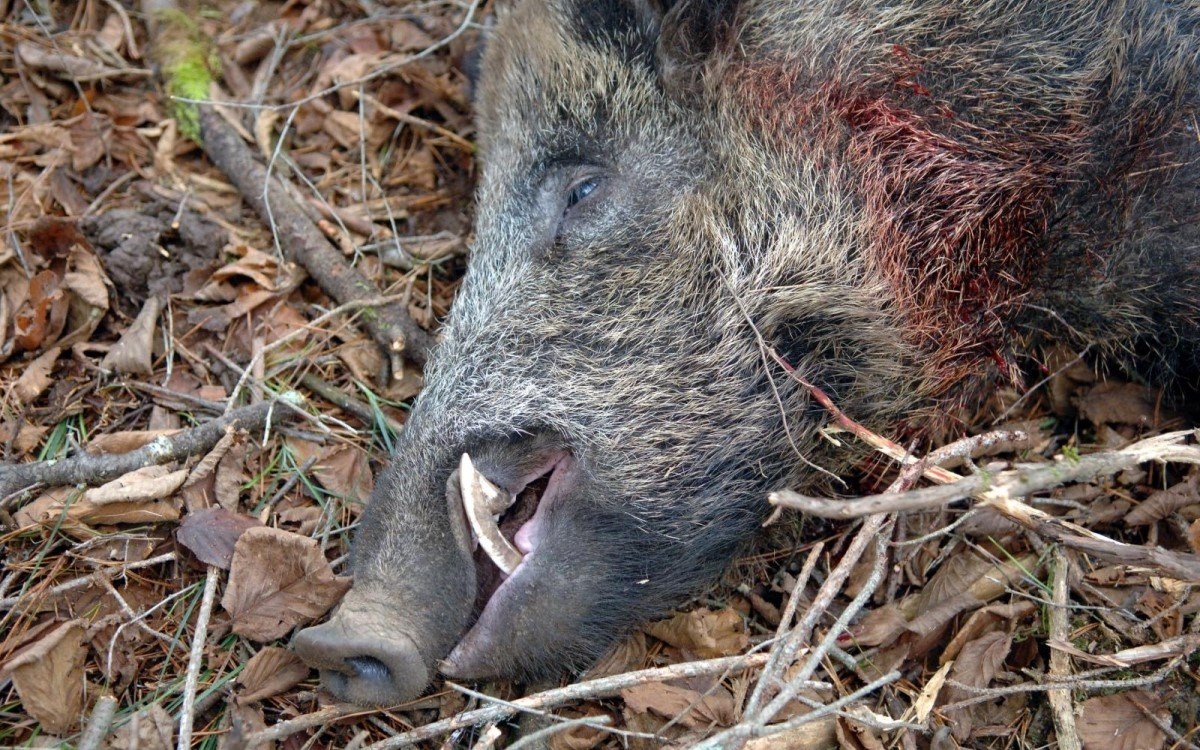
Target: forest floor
[{"x": 152, "y": 582}]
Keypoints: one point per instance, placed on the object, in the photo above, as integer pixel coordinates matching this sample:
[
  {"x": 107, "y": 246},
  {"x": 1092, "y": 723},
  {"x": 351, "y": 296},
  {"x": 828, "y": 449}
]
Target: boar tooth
[
  {"x": 479, "y": 487},
  {"x": 482, "y": 500}
]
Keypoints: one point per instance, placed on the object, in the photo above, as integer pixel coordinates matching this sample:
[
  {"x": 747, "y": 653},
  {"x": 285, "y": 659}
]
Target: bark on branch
[
  {"x": 86, "y": 468},
  {"x": 389, "y": 325},
  {"x": 1001, "y": 492}
]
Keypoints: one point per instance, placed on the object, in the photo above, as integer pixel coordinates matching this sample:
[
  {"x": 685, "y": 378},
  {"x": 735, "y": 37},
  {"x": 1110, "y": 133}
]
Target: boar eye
[{"x": 581, "y": 190}]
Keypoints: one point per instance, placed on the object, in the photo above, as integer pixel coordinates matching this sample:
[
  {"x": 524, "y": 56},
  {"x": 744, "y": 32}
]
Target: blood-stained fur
[{"x": 904, "y": 200}]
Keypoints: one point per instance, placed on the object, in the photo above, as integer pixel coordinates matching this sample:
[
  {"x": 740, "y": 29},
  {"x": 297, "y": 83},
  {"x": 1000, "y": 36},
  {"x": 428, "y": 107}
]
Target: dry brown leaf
[
  {"x": 241, "y": 721},
  {"x": 306, "y": 517},
  {"x": 27, "y": 439},
  {"x": 278, "y": 580},
  {"x": 362, "y": 358},
  {"x": 259, "y": 267},
  {"x": 148, "y": 729},
  {"x": 348, "y": 128},
  {"x": 1194, "y": 535},
  {"x": 1165, "y": 502},
  {"x": 820, "y": 734},
  {"x": 270, "y": 672},
  {"x": 285, "y": 321},
  {"x": 35, "y": 377},
  {"x": 199, "y": 491},
  {"x": 87, "y": 286},
  {"x": 141, "y": 511},
  {"x": 969, "y": 573},
  {"x": 49, "y": 135},
  {"x": 123, "y": 442},
  {"x": 48, "y": 677},
  {"x": 48, "y": 511},
  {"x": 207, "y": 465},
  {"x": 211, "y": 534},
  {"x": 146, "y": 483},
  {"x": 87, "y": 277},
  {"x": 231, "y": 473},
  {"x": 1117, "y": 722},
  {"x": 71, "y": 67},
  {"x": 407, "y": 36},
  {"x": 581, "y": 737},
  {"x": 89, "y": 133},
  {"x": 925, "y": 702},
  {"x": 703, "y": 632},
  {"x": 345, "y": 471},
  {"x": 853, "y": 735},
  {"x": 1113, "y": 402},
  {"x": 977, "y": 665},
  {"x": 133, "y": 353},
  {"x": 986, "y": 620},
  {"x": 693, "y": 709},
  {"x": 626, "y": 656},
  {"x": 878, "y": 627},
  {"x": 345, "y": 69}
]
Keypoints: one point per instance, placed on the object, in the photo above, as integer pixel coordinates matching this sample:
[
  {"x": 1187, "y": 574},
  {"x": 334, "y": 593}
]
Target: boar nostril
[{"x": 369, "y": 668}]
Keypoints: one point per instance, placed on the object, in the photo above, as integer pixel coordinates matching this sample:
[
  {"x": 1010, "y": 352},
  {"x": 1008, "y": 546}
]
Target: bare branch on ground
[
  {"x": 85, "y": 468},
  {"x": 390, "y": 325},
  {"x": 603, "y": 687}
]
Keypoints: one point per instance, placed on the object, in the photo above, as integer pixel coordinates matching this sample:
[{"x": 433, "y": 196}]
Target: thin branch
[
  {"x": 90, "y": 579},
  {"x": 390, "y": 325},
  {"x": 98, "y": 724},
  {"x": 777, "y": 663},
  {"x": 1023, "y": 480},
  {"x": 196, "y": 657},
  {"x": 86, "y": 468},
  {"x": 1062, "y": 706},
  {"x": 591, "y": 689}
]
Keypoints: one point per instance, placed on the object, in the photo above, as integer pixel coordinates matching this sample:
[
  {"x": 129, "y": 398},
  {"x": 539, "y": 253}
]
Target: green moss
[{"x": 189, "y": 63}]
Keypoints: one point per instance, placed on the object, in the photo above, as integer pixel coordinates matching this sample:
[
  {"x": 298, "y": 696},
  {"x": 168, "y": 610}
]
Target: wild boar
[{"x": 904, "y": 199}]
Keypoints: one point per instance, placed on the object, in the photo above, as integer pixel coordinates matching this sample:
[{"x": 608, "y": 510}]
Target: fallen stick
[
  {"x": 1000, "y": 492},
  {"x": 85, "y": 468},
  {"x": 1062, "y": 706},
  {"x": 98, "y": 724},
  {"x": 1023, "y": 480},
  {"x": 182, "y": 55},
  {"x": 390, "y": 325},
  {"x": 599, "y": 688},
  {"x": 108, "y": 573},
  {"x": 187, "y": 712}
]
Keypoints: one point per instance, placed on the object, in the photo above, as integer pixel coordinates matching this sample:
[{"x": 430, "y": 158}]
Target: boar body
[{"x": 904, "y": 200}]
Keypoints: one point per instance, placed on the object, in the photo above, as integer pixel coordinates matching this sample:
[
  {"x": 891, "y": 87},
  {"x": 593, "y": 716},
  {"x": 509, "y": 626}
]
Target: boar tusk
[{"x": 482, "y": 501}]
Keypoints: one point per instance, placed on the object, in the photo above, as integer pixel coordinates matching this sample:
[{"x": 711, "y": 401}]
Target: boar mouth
[
  {"x": 507, "y": 520},
  {"x": 531, "y": 498}
]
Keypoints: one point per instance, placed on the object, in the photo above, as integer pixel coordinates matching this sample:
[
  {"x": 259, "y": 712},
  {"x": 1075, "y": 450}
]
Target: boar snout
[
  {"x": 380, "y": 669},
  {"x": 412, "y": 596}
]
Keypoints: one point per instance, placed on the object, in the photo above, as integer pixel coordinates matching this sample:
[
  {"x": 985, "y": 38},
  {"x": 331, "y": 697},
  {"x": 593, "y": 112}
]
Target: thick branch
[
  {"x": 389, "y": 325},
  {"x": 86, "y": 468}
]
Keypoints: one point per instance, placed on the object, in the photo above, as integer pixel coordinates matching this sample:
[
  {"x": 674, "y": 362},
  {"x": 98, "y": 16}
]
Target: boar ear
[{"x": 694, "y": 36}]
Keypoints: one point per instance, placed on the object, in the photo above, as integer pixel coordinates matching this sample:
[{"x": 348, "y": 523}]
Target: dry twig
[
  {"x": 1060, "y": 663},
  {"x": 588, "y": 690},
  {"x": 85, "y": 468},
  {"x": 98, "y": 724},
  {"x": 195, "y": 657}
]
